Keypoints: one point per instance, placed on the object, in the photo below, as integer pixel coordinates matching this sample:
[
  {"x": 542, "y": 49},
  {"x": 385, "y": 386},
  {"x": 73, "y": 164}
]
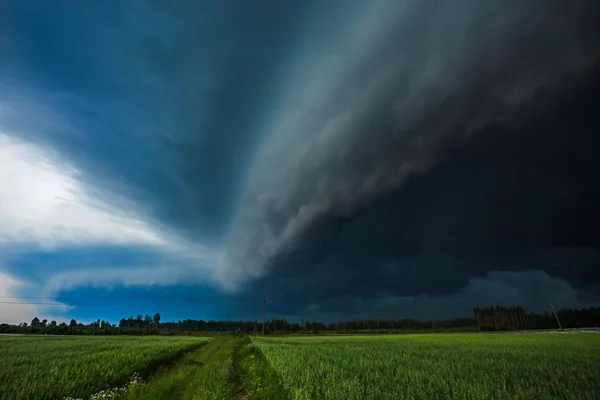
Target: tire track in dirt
[{"x": 240, "y": 395}]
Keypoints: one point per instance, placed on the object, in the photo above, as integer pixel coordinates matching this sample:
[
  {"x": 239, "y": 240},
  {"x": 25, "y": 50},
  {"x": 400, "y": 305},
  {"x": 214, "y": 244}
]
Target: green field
[
  {"x": 445, "y": 366},
  {"x": 54, "y": 367},
  {"x": 426, "y": 366}
]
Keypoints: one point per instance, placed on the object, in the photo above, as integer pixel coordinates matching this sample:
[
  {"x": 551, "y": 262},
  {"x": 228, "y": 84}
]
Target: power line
[
  {"x": 555, "y": 314},
  {"x": 263, "y": 312},
  {"x": 74, "y": 302},
  {"x": 68, "y": 304},
  {"x": 28, "y": 297},
  {"x": 41, "y": 298},
  {"x": 68, "y": 299}
]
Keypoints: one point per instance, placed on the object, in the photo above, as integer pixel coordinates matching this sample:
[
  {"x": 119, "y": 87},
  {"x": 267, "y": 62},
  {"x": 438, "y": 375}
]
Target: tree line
[
  {"x": 487, "y": 318},
  {"x": 501, "y": 317},
  {"x": 514, "y": 317}
]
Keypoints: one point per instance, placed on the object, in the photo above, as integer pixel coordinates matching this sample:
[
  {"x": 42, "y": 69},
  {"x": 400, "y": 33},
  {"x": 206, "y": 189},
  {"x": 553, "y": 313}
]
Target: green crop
[
  {"x": 429, "y": 366},
  {"x": 55, "y": 367},
  {"x": 445, "y": 366}
]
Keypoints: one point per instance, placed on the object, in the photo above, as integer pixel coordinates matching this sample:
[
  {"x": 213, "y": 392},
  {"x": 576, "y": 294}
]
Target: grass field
[
  {"x": 427, "y": 366},
  {"x": 54, "y": 367},
  {"x": 445, "y": 366}
]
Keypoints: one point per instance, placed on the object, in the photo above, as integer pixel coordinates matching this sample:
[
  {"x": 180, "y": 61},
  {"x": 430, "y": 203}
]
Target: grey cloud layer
[{"x": 434, "y": 73}]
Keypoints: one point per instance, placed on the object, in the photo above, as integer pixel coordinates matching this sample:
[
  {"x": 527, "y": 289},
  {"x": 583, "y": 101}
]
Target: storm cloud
[
  {"x": 458, "y": 142},
  {"x": 343, "y": 158}
]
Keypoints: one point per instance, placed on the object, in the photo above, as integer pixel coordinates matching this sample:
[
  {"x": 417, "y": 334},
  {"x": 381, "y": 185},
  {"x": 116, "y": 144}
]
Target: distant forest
[{"x": 484, "y": 319}]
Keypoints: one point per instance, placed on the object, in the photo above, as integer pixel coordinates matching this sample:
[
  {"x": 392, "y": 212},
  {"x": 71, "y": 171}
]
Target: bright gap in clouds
[
  {"x": 14, "y": 310},
  {"x": 43, "y": 201},
  {"x": 13, "y": 313}
]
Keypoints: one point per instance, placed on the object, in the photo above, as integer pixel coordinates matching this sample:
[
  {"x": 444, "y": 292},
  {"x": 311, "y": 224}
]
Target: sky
[{"x": 346, "y": 159}]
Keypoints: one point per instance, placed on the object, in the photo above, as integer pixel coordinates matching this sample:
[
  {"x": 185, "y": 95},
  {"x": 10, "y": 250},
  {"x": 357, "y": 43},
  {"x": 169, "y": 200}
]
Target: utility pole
[
  {"x": 264, "y": 305},
  {"x": 555, "y": 314}
]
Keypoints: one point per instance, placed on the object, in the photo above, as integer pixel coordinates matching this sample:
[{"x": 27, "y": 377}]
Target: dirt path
[
  {"x": 207, "y": 373},
  {"x": 240, "y": 395}
]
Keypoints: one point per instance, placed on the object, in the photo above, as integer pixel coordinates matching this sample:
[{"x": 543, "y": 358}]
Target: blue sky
[{"x": 188, "y": 158}]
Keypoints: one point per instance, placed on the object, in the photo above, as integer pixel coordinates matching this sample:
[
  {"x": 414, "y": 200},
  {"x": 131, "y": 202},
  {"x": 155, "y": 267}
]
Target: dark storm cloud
[
  {"x": 456, "y": 148},
  {"x": 529, "y": 288}
]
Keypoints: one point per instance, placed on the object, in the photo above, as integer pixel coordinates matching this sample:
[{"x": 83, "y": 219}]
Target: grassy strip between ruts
[
  {"x": 228, "y": 368},
  {"x": 205, "y": 374}
]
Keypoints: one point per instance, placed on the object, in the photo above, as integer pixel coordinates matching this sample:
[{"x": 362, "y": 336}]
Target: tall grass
[
  {"x": 448, "y": 366},
  {"x": 54, "y": 367}
]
